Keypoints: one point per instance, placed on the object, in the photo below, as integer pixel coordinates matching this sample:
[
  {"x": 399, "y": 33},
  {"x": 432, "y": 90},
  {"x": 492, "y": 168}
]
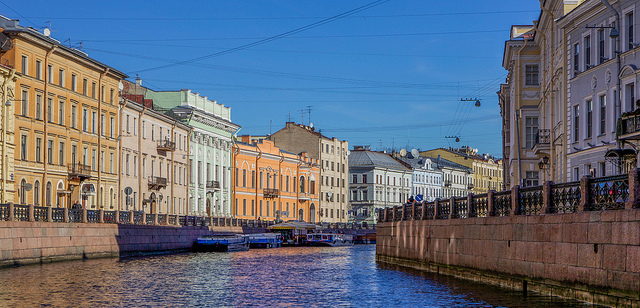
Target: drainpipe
[
  {"x": 5, "y": 158},
  {"x": 99, "y": 132}
]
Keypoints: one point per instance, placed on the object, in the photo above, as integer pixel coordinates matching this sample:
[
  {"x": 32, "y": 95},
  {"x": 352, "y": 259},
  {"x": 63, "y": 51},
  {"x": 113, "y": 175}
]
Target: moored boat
[
  {"x": 222, "y": 243},
  {"x": 264, "y": 240},
  {"x": 329, "y": 239}
]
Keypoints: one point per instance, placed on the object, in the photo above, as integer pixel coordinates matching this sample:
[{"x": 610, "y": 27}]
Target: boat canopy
[{"x": 293, "y": 224}]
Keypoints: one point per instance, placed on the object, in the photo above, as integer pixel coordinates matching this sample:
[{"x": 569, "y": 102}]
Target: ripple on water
[{"x": 283, "y": 277}]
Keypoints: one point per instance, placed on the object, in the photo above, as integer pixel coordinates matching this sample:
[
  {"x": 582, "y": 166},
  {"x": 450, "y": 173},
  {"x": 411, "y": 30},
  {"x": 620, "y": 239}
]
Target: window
[
  {"x": 23, "y": 147},
  {"x": 38, "y": 69},
  {"x": 531, "y": 130},
  {"x": 49, "y": 109},
  {"x": 630, "y": 97},
  {"x": 50, "y": 152},
  {"x": 111, "y": 96},
  {"x": 354, "y": 179},
  {"x": 576, "y": 123},
  {"x": 94, "y": 121},
  {"x": 25, "y": 63},
  {"x": 61, "y": 77},
  {"x": 93, "y": 160},
  {"x": 110, "y": 162},
  {"x": 602, "y": 168},
  {"x": 38, "y": 150},
  {"x": 153, "y": 134},
  {"x": 589, "y": 119},
  {"x": 61, "y": 112},
  {"x": 74, "y": 150},
  {"x": 93, "y": 90},
  {"x": 39, "y": 107},
  {"x": 84, "y": 86},
  {"x": 127, "y": 124},
  {"x": 74, "y": 87},
  {"x": 102, "y": 124},
  {"x": 531, "y": 75},
  {"x": 50, "y": 73},
  {"x": 629, "y": 18},
  {"x": 112, "y": 126},
  {"x": 601, "y": 56},
  {"x": 603, "y": 114},
  {"x": 576, "y": 58},
  {"x": 36, "y": 193},
  {"x": 364, "y": 179},
  {"x": 61, "y": 154},
  {"x": 587, "y": 52},
  {"x": 84, "y": 119},
  {"x": 102, "y": 93},
  {"x": 144, "y": 129},
  {"x": 73, "y": 116},
  {"x": 25, "y": 103}
]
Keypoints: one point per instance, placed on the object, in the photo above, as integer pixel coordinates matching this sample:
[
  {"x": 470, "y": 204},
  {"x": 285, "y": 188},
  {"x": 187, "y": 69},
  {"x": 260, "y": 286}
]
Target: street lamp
[{"x": 476, "y": 100}]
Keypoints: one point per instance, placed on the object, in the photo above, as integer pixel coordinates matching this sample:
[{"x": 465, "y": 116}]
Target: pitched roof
[{"x": 364, "y": 158}]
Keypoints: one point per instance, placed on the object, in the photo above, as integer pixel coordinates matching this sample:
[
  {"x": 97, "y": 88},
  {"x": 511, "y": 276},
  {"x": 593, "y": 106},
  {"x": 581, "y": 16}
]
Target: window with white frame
[
  {"x": 603, "y": 113},
  {"x": 576, "y": 123},
  {"x": 531, "y": 129}
]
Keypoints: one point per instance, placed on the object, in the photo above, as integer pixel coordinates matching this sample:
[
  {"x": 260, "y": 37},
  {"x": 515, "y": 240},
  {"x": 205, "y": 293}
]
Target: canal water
[{"x": 282, "y": 277}]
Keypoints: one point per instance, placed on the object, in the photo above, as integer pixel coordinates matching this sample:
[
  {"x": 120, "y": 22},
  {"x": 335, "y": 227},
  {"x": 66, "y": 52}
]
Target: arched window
[
  {"x": 48, "y": 194},
  {"x": 302, "y": 184},
  {"x": 23, "y": 191},
  {"x": 36, "y": 193}
]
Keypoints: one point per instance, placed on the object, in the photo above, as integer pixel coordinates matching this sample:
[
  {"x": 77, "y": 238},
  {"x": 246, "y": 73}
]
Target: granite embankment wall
[
  {"x": 24, "y": 242},
  {"x": 577, "y": 240}
]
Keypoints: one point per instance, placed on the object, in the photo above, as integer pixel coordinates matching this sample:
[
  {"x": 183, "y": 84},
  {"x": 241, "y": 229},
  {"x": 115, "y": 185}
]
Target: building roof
[
  {"x": 416, "y": 163},
  {"x": 441, "y": 162},
  {"x": 364, "y": 158},
  {"x": 11, "y": 26},
  {"x": 308, "y": 129}
]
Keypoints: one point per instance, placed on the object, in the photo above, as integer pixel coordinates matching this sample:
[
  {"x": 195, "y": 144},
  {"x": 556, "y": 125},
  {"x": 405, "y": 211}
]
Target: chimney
[{"x": 138, "y": 81}]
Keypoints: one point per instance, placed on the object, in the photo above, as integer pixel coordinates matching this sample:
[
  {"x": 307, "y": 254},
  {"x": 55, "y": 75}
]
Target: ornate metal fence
[
  {"x": 40, "y": 213},
  {"x": 460, "y": 209},
  {"x": 479, "y": 206},
  {"x": 21, "y": 212},
  {"x": 162, "y": 219},
  {"x": 608, "y": 193},
  {"x": 75, "y": 215},
  {"x": 502, "y": 203},
  {"x": 109, "y": 217},
  {"x": 92, "y": 216},
  {"x": 173, "y": 219},
  {"x": 57, "y": 214},
  {"x": 531, "y": 200},
  {"x": 4, "y": 212},
  {"x": 444, "y": 209},
  {"x": 565, "y": 197},
  {"x": 138, "y": 218},
  {"x": 430, "y": 210},
  {"x": 150, "y": 219},
  {"x": 125, "y": 217}
]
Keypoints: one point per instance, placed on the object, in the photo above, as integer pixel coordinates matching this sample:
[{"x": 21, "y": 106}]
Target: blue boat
[
  {"x": 221, "y": 243},
  {"x": 264, "y": 240}
]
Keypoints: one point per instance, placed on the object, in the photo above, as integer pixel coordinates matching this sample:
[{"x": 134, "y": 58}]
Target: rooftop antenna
[
  {"x": 289, "y": 116},
  {"x": 270, "y": 127},
  {"x": 302, "y": 115},
  {"x": 309, "y": 112}
]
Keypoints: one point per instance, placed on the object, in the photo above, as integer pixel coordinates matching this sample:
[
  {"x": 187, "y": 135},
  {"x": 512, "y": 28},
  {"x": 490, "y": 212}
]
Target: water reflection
[{"x": 293, "y": 277}]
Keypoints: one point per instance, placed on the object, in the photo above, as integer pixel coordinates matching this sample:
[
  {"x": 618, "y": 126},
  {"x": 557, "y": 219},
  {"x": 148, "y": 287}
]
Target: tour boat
[
  {"x": 329, "y": 239},
  {"x": 264, "y": 240},
  {"x": 236, "y": 242}
]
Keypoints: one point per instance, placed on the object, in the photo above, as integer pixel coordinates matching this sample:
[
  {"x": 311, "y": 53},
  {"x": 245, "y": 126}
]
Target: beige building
[
  {"x": 65, "y": 122},
  {"x": 153, "y": 170},
  {"x": 334, "y": 166}
]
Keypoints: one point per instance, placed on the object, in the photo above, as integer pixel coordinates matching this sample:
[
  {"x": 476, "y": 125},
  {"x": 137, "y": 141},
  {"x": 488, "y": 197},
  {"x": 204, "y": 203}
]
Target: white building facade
[{"x": 426, "y": 180}]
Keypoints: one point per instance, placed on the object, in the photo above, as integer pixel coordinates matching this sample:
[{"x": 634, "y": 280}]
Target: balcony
[
  {"x": 166, "y": 145},
  {"x": 542, "y": 143},
  {"x": 629, "y": 126},
  {"x": 302, "y": 197},
  {"x": 213, "y": 185},
  {"x": 78, "y": 171},
  {"x": 270, "y": 193},
  {"x": 157, "y": 183},
  {"x": 447, "y": 183}
]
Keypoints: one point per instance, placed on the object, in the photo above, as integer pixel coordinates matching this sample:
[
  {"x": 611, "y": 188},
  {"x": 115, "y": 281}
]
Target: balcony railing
[
  {"x": 213, "y": 184},
  {"x": 166, "y": 145},
  {"x": 543, "y": 136},
  {"x": 270, "y": 193},
  {"x": 629, "y": 124},
  {"x": 156, "y": 182},
  {"x": 79, "y": 171}
]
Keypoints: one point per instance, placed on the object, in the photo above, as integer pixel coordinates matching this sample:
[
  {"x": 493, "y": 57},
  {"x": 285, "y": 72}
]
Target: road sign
[
  {"x": 128, "y": 190},
  {"x": 419, "y": 198}
]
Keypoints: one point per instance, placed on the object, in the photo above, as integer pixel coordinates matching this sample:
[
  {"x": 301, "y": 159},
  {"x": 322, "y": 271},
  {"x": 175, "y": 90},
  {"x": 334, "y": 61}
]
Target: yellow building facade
[
  {"x": 8, "y": 80},
  {"x": 66, "y": 116},
  {"x": 273, "y": 184},
  {"x": 487, "y": 171}
]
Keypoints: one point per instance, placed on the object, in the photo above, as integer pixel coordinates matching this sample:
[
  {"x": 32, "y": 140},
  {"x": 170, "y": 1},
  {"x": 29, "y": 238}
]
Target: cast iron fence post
[
  {"x": 101, "y": 216},
  {"x": 404, "y": 209},
  {"x": 469, "y": 204},
  {"x": 424, "y": 209},
  {"x": 11, "y": 212},
  {"x": 436, "y": 208},
  {"x": 452, "y": 207},
  {"x": 634, "y": 189},
  {"x": 393, "y": 214},
  {"x": 514, "y": 207},
  {"x": 117, "y": 216},
  {"x": 414, "y": 208},
  {"x": 50, "y": 213},
  {"x": 490, "y": 208},
  {"x": 585, "y": 193},
  {"x": 84, "y": 215},
  {"x": 66, "y": 214},
  {"x": 131, "y": 217}
]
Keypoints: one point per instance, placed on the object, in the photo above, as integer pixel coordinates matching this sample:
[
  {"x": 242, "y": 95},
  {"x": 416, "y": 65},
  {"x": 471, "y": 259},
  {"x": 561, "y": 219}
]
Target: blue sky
[{"x": 388, "y": 76}]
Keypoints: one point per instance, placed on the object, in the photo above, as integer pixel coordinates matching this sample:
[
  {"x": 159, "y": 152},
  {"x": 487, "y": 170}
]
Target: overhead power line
[
  {"x": 272, "y": 38},
  {"x": 280, "y": 18}
]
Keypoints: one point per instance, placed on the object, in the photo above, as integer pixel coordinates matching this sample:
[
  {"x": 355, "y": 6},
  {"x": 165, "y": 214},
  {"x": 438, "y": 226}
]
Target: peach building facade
[
  {"x": 66, "y": 118},
  {"x": 272, "y": 184}
]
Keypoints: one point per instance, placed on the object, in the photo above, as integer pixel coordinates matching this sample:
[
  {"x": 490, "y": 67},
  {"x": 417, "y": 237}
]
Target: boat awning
[
  {"x": 299, "y": 225},
  {"x": 63, "y": 192}
]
